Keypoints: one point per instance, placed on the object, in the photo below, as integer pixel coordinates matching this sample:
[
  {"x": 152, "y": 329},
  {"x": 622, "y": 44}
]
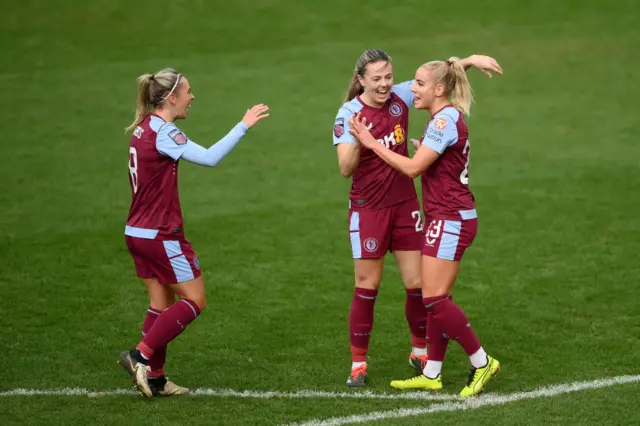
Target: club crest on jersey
[
  {"x": 370, "y": 245},
  {"x": 178, "y": 137},
  {"x": 395, "y": 109},
  {"x": 440, "y": 123},
  {"x": 338, "y": 129}
]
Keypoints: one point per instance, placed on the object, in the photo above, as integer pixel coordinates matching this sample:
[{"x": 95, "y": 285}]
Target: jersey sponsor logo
[
  {"x": 395, "y": 109},
  {"x": 338, "y": 128},
  {"x": 178, "y": 137},
  {"x": 440, "y": 123},
  {"x": 434, "y": 135},
  {"x": 394, "y": 138},
  {"x": 370, "y": 245}
]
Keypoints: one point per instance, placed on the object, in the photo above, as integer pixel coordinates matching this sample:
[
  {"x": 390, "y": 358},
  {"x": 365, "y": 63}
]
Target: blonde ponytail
[
  {"x": 451, "y": 73},
  {"x": 460, "y": 95},
  {"x": 143, "y": 105},
  {"x": 153, "y": 91}
]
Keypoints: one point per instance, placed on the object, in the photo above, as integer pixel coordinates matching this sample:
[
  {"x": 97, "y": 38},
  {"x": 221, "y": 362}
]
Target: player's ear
[{"x": 440, "y": 89}]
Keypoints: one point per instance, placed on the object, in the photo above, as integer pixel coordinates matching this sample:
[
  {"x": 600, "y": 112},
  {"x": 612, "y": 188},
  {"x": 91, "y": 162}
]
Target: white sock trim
[
  {"x": 419, "y": 351},
  {"x": 479, "y": 359},
  {"x": 432, "y": 369}
]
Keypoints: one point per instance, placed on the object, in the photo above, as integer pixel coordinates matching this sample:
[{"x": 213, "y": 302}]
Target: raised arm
[
  {"x": 484, "y": 63},
  {"x": 175, "y": 144}
]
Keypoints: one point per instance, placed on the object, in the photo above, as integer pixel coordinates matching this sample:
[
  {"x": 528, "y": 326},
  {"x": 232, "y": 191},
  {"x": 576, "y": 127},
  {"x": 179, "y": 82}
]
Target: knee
[
  {"x": 159, "y": 306},
  {"x": 366, "y": 281},
  {"x": 431, "y": 291},
  {"x": 201, "y": 302},
  {"x": 413, "y": 283}
]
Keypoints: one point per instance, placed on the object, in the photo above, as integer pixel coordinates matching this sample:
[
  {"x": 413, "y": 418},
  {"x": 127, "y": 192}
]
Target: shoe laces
[
  {"x": 417, "y": 378},
  {"x": 472, "y": 375}
]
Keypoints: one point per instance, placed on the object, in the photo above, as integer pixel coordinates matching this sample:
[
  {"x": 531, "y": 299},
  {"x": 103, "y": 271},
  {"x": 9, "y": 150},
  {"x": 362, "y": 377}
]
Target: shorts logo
[
  {"x": 440, "y": 123},
  {"x": 338, "y": 129},
  {"x": 178, "y": 137},
  {"x": 370, "y": 245},
  {"x": 395, "y": 109},
  {"x": 196, "y": 262}
]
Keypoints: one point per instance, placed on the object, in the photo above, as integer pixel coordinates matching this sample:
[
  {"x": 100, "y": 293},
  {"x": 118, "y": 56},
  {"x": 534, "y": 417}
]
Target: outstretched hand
[
  {"x": 255, "y": 114},
  {"x": 486, "y": 64}
]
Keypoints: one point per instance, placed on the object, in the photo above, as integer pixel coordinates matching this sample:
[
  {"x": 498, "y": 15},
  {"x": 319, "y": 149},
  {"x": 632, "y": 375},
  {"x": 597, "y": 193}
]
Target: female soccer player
[
  {"x": 154, "y": 233},
  {"x": 443, "y": 89},
  {"x": 384, "y": 213}
]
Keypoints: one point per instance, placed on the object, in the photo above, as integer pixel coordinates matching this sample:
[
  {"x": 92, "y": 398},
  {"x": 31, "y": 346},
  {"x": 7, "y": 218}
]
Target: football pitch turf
[{"x": 550, "y": 284}]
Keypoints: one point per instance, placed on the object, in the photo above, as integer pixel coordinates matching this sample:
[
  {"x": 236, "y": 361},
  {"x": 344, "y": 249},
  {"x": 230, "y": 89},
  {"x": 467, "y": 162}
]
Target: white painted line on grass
[
  {"x": 239, "y": 394},
  {"x": 475, "y": 402}
]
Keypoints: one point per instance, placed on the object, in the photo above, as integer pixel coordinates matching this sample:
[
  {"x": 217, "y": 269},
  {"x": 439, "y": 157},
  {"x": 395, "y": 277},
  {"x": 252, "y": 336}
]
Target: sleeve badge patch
[
  {"x": 178, "y": 137},
  {"x": 338, "y": 129}
]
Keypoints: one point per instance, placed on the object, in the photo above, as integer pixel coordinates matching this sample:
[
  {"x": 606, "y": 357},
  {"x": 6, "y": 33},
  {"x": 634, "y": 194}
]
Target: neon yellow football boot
[
  {"x": 479, "y": 377},
  {"x": 419, "y": 382}
]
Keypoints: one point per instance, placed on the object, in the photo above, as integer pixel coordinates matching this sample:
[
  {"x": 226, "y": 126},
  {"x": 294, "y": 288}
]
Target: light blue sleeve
[
  {"x": 403, "y": 90},
  {"x": 441, "y": 133},
  {"x": 202, "y": 156},
  {"x": 341, "y": 127},
  {"x": 171, "y": 141}
]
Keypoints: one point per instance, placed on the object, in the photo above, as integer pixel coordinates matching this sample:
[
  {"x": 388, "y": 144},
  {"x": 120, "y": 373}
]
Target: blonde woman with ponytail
[
  {"x": 384, "y": 212},
  {"x": 164, "y": 259},
  {"x": 442, "y": 158}
]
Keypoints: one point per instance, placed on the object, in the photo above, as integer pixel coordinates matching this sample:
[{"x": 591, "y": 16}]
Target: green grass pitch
[{"x": 550, "y": 284}]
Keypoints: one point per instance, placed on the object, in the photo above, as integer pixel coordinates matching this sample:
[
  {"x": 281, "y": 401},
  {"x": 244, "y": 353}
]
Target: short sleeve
[
  {"x": 341, "y": 127},
  {"x": 171, "y": 141},
  {"x": 403, "y": 91},
  {"x": 441, "y": 133}
]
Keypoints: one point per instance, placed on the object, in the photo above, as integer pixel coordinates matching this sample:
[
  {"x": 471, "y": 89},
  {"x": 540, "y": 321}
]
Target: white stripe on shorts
[
  {"x": 449, "y": 240},
  {"x": 354, "y": 224},
  {"x": 452, "y": 227},
  {"x": 354, "y": 235},
  {"x": 179, "y": 262},
  {"x": 468, "y": 214},
  {"x": 356, "y": 245}
]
